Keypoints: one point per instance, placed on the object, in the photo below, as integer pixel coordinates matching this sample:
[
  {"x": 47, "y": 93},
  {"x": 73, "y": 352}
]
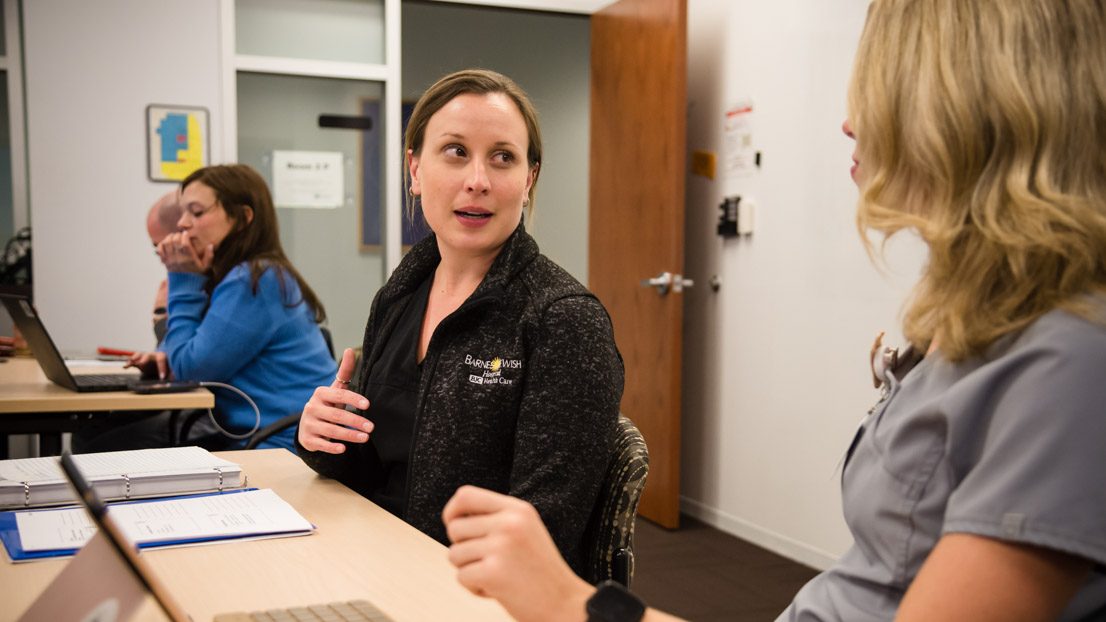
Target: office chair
[
  {"x": 292, "y": 420},
  {"x": 288, "y": 421},
  {"x": 178, "y": 438},
  {"x": 610, "y": 533}
]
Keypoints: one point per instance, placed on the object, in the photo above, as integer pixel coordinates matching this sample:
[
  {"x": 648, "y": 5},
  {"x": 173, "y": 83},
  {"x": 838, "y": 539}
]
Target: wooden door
[{"x": 636, "y": 221}]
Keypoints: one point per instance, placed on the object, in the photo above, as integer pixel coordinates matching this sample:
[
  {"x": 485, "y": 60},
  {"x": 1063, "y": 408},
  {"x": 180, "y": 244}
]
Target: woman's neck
[
  {"x": 934, "y": 344},
  {"x": 458, "y": 275},
  {"x": 454, "y": 280}
]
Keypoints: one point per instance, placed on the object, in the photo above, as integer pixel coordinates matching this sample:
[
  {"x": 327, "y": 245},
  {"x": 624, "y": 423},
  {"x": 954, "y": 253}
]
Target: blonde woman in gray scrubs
[{"x": 974, "y": 489}]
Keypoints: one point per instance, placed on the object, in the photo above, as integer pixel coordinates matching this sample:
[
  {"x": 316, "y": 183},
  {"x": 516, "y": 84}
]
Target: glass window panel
[
  {"x": 3, "y": 34},
  {"x": 340, "y": 30},
  {"x": 278, "y": 112}
]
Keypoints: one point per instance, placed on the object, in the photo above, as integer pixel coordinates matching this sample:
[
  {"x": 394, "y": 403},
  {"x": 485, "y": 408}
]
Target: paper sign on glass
[{"x": 308, "y": 179}]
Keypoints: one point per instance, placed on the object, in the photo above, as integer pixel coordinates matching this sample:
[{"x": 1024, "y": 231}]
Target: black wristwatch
[{"x": 614, "y": 603}]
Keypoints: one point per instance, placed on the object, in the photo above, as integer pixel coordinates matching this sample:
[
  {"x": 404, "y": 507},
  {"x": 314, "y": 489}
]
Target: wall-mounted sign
[
  {"x": 739, "y": 159},
  {"x": 308, "y": 179}
]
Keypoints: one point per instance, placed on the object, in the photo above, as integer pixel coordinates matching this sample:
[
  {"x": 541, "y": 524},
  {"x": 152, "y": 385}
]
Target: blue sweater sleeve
[{"x": 214, "y": 345}]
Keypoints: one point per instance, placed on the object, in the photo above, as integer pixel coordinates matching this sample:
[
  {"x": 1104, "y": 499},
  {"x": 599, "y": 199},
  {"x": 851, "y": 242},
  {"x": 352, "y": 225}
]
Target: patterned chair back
[{"x": 610, "y": 533}]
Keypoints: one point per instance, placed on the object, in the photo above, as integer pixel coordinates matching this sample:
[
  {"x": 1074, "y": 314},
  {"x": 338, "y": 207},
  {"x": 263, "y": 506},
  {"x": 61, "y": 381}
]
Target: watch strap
[{"x": 612, "y": 602}]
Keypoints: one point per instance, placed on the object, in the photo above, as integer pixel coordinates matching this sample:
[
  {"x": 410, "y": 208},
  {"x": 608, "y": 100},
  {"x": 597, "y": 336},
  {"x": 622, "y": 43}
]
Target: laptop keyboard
[
  {"x": 104, "y": 380},
  {"x": 351, "y": 611}
]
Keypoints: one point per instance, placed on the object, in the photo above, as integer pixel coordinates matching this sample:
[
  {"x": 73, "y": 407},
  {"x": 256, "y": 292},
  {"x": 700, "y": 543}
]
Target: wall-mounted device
[
  {"x": 727, "y": 220},
  {"x": 736, "y": 217}
]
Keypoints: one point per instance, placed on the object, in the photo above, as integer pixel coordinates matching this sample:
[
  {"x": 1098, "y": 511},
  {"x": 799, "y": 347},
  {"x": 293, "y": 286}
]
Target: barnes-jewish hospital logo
[{"x": 491, "y": 371}]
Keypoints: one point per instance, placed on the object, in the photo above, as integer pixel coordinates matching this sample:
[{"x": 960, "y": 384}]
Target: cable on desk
[{"x": 211, "y": 415}]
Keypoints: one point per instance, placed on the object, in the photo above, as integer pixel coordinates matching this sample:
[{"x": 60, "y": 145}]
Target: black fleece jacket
[{"x": 519, "y": 393}]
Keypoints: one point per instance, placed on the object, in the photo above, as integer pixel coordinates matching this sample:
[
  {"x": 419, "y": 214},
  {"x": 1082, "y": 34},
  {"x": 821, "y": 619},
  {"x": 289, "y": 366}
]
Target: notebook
[
  {"x": 108, "y": 579},
  {"x": 50, "y": 360}
]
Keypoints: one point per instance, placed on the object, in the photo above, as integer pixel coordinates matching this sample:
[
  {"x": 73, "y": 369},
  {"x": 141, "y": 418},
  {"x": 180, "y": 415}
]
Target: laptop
[
  {"x": 109, "y": 580},
  {"x": 50, "y": 360}
]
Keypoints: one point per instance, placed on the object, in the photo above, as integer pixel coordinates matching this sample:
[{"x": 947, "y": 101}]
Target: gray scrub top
[{"x": 1011, "y": 445}]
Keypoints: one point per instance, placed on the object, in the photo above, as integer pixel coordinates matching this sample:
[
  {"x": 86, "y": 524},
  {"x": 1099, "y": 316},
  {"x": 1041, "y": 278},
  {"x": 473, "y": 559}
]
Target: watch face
[{"x": 614, "y": 603}]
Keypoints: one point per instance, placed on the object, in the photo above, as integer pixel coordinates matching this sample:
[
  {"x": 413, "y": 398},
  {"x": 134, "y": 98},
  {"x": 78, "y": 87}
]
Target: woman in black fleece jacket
[{"x": 484, "y": 362}]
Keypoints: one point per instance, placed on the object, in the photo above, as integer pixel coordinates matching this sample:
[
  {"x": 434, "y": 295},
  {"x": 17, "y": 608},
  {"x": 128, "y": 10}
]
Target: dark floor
[{"x": 705, "y": 575}]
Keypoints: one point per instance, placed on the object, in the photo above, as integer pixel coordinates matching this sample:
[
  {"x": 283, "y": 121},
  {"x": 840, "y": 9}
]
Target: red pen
[{"x": 114, "y": 352}]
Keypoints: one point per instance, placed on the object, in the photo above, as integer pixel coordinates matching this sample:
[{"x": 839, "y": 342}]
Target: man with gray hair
[{"x": 161, "y": 220}]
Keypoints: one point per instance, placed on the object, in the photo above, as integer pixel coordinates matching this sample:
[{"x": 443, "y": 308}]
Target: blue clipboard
[{"x": 9, "y": 530}]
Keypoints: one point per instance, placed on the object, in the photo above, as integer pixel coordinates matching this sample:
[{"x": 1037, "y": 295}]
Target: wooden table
[
  {"x": 31, "y": 404},
  {"x": 358, "y": 551}
]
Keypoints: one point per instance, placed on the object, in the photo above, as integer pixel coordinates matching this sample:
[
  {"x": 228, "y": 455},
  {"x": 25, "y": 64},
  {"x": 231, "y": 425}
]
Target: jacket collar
[{"x": 419, "y": 263}]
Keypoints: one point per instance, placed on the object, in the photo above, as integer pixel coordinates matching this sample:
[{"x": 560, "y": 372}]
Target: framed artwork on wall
[
  {"x": 177, "y": 141},
  {"x": 371, "y": 221}
]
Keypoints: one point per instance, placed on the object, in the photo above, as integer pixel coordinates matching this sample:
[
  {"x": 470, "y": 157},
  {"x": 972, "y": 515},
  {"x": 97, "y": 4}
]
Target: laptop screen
[
  {"x": 29, "y": 324},
  {"x": 49, "y": 358},
  {"x": 107, "y": 580}
]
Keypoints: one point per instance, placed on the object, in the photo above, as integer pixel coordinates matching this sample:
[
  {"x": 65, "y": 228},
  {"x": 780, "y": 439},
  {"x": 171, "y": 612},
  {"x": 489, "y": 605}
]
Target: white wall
[
  {"x": 91, "y": 70},
  {"x": 776, "y": 377},
  {"x": 549, "y": 56}
]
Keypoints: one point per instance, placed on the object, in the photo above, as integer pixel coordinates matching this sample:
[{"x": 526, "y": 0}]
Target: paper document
[
  {"x": 205, "y": 517},
  {"x": 56, "y": 529}
]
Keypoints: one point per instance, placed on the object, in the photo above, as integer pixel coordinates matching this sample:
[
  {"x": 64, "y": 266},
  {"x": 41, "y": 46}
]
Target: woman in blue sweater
[{"x": 239, "y": 313}]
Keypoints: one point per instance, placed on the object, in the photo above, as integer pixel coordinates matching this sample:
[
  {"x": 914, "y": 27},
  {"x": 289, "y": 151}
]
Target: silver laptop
[{"x": 48, "y": 357}]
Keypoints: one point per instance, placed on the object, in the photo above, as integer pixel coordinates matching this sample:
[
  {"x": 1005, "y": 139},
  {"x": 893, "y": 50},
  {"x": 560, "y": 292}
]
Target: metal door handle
[
  {"x": 666, "y": 281},
  {"x": 662, "y": 282}
]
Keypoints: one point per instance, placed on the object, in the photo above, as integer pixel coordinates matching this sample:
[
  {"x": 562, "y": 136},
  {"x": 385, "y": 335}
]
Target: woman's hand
[
  {"x": 502, "y": 550},
  {"x": 177, "y": 254},
  {"x": 325, "y": 419},
  {"x": 150, "y": 364}
]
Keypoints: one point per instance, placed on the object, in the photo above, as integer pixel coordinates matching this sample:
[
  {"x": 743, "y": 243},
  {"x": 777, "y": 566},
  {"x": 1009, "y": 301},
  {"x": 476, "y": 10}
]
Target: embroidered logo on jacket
[{"x": 491, "y": 372}]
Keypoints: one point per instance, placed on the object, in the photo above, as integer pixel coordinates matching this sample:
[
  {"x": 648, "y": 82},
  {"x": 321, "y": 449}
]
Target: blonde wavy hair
[{"x": 981, "y": 124}]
